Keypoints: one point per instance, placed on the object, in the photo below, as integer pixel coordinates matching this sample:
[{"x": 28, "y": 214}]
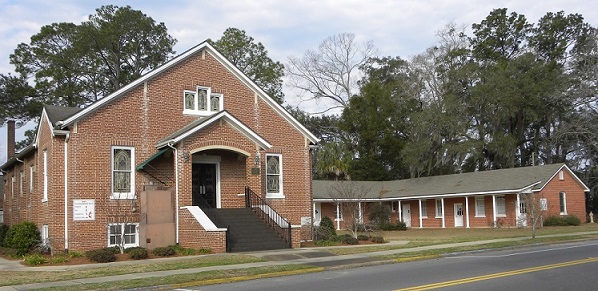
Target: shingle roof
[
  {"x": 485, "y": 182},
  {"x": 58, "y": 113}
]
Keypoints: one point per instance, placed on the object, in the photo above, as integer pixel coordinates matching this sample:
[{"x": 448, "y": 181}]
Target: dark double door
[{"x": 203, "y": 178}]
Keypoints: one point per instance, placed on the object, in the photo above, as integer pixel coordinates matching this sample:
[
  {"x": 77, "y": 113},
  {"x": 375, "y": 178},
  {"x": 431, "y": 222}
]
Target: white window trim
[
  {"x": 543, "y": 204},
  {"x": 504, "y": 206},
  {"x": 122, "y": 228},
  {"x": 280, "y": 194},
  {"x": 477, "y": 212},
  {"x": 12, "y": 186},
  {"x": 31, "y": 171},
  {"x": 439, "y": 210},
  {"x": 21, "y": 180},
  {"x": 209, "y": 93},
  {"x": 45, "y": 173},
  {"x": 561, "y": 175},
  {"x": 564, "y": 202},
  {"x": 45, "y": 234},
  {"x": 122, "y": 195},
  {"x": 424, "y": 213}
]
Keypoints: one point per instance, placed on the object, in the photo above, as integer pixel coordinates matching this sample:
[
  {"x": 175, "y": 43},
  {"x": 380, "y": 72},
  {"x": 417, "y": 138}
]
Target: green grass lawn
[{"x": 415, "y": 237}]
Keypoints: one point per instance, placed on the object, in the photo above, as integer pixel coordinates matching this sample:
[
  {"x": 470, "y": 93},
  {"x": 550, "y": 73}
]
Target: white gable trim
[
  {"x": 220, "y": 58},
  {"x": 564, "y": 166},
  {"x": 224, "y": 115}
]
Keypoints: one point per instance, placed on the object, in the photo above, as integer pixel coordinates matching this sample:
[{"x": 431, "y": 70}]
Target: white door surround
[
  {"x": 406, "y": 215},
  {"x": 458, "y": 214}
]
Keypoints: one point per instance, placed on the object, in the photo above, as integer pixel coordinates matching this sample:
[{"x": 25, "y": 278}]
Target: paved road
[{"x": 571, "y": 266}]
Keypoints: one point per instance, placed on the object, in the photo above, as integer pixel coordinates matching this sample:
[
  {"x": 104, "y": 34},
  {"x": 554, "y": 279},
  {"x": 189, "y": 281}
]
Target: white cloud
[{"x": 286, "y": 28}]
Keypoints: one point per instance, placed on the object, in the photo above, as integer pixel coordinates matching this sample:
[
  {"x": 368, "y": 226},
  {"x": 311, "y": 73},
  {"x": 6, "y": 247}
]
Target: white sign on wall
[{"x": 84, "y": 209}]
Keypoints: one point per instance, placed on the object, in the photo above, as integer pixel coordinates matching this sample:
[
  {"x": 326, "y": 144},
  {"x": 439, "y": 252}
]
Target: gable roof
[
  {"x": 201, "y": 123},
  {"x": 58, "y": 113},
  {"x": 205, "y": 46},
  {"x": 502, "y": 181}
]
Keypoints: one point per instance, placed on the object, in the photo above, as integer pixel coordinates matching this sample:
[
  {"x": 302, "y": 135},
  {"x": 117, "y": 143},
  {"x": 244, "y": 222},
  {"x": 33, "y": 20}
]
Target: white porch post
[
  {"x": 443, "y": 213},
  {"x": 400, "y": 210},
  {"x": 494, "y": 209},
  {"x": 338, "y": 217},
  {"x": 360, "y": 213},
  {"x": 518, "y": 210},
  {"x": 466, "y": 212},
  {"x": 420, "y": 213}
]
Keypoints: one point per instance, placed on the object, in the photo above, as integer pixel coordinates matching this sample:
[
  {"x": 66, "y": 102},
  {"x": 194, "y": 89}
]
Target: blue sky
[{"x": 286, "y": 28}]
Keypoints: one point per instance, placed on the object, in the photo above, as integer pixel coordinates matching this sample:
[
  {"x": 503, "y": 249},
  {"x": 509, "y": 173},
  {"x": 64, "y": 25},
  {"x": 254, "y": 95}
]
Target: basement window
[{"x": 123, "y": 234}]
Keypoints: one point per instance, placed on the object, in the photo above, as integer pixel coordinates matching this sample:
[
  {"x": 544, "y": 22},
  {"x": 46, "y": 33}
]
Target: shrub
[
  {"x": 114, "y": 249},
  {"x": 35, "y": 260},
  {"x": 379, "y": 213},
  {"x": 101, "y": 255},
  {"x": 75, "y": 254},
  {"x": 3, "y": 230},
  {"x": 59, "y": 260},
  {"x": 203, "y": 251},
  {"x": 22, "y": 237},
  {"x": 137, "y": 253},
  {"x": 566, "y": 220},
  {"x": 163, "y": 251},
  {"x": 325, "y": 243},
  {"x": 378, "y": 239},
  {"x": 363, "y": 237},
  {"x": 326, "y": 229},
  {"x": 349, "y": 239},
  {"x": 394, "y": 226},
  {"x": 571, "y": 220}
]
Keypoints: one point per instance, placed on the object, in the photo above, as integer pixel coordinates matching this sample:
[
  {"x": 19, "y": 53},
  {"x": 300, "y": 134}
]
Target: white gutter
[
  {"x": 66, "y": 194},
  {"x": 176, "y": 191}
]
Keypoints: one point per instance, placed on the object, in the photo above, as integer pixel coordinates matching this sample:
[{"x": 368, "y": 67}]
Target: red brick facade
[
  {"x": 141, "y": 115},
  {"x": 570, "y": 185}
]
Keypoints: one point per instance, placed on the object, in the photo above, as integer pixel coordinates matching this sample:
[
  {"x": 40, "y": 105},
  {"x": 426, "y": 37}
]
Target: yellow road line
[{"x": 498, "y": 275}]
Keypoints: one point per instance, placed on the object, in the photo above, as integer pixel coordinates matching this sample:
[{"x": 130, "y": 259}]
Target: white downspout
[
  {"x": 66, "y": 194},
  {"x": 176, "y": 192}
]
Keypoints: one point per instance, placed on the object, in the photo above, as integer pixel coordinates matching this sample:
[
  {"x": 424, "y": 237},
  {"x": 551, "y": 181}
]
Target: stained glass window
[
  {"x": 189, "y": 101},
  {"x": 215, "y": 102},
  {"x": 202, "y": 99},
  {"x": 121, "y": 170},
  {"x": 273, "y": 174}
]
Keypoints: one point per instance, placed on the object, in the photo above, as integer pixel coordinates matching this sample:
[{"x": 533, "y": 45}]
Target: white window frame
[
  {"x": 439, "y": 210},
  {"x": 12, "y": 186},
  {"x": 543, "y": 204},
  {"x": 393, "y": 206},
  {"x": 31, "y": 173},
  {"x": 501, "y": 207},
  {"x": 280, "y": 193},
  {"x": 21, "y": 178},
  {"x": 424, "y": 213},
  {"x": 45, "y": 234},
  {"x": 209, "y": 94},
  {"x": 45, "y": 173},
  {"x": 131, "y": 193},
  {"x": 480, "y": 206},
  {"x": 561, "y": 175},
  {"x": 120, "y": 235},
  {"x": 563, "y": 202}
]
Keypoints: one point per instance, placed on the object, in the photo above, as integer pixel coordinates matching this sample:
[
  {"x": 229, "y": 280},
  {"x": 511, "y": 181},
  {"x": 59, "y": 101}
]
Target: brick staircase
[{"x": 247, "y": 231}]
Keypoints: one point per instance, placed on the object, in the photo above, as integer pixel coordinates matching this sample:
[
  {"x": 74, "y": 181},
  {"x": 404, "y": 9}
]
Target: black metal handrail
[{"x": 269, "y": 215}]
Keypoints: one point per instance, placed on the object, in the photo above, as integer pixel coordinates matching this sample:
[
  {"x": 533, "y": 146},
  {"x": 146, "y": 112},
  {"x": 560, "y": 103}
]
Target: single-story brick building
[{"x": 494, "y": 198}]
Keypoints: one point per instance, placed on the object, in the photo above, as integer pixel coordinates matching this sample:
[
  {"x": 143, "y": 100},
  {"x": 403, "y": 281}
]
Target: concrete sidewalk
[{"x": 318, "y": 257}]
